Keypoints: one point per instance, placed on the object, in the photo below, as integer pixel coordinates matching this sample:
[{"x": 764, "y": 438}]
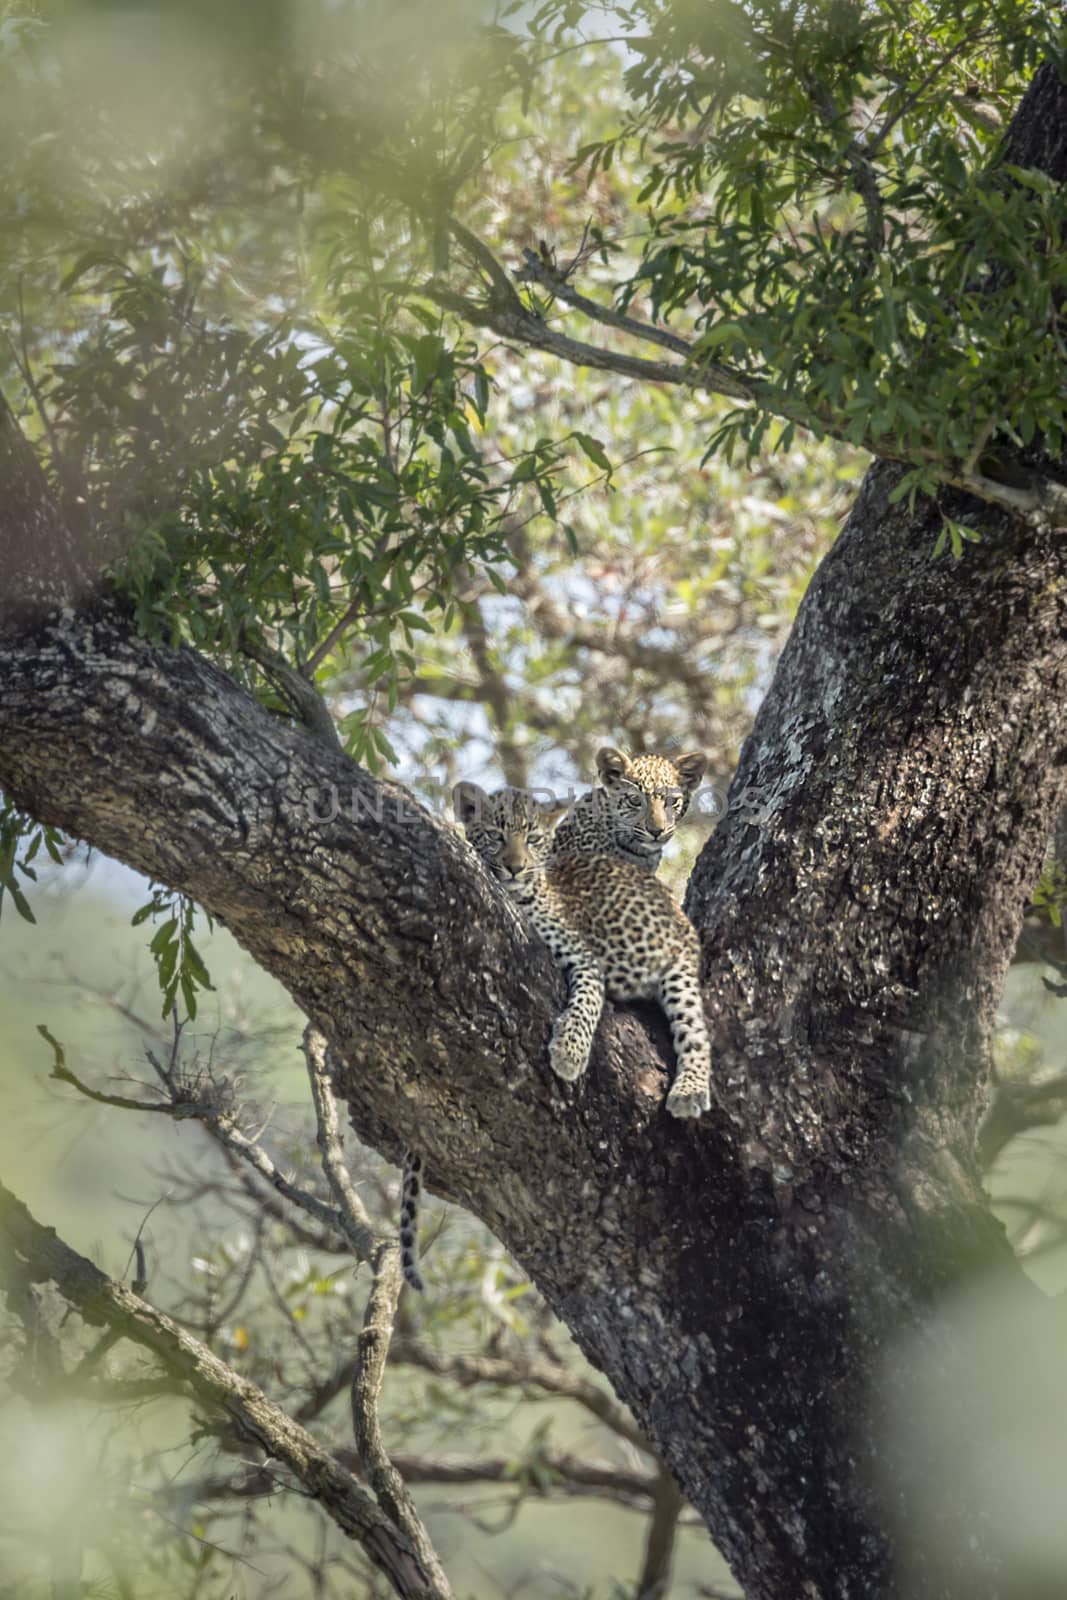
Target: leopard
[
  {"x": 613, "y": 927},
  {"x": 634, "y": 811}
]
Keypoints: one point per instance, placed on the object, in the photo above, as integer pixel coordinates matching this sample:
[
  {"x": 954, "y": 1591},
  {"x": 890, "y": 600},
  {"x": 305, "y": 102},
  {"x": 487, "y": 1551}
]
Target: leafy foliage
[
  {"x": 179, "y": 965},
  {"x": 829, "y": 210},
  {"x": 274, "y": 446},
  {"x": 21, "y": 838}
]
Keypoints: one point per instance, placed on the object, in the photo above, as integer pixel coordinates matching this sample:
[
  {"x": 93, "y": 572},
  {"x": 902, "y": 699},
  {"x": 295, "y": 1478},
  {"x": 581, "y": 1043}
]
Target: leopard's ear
[
  {"x": 611, "y": 764},
  {"x": 552, "y": 810},
  {"x": 467, "y": 802},
  {"x": 691, "y": 769}
]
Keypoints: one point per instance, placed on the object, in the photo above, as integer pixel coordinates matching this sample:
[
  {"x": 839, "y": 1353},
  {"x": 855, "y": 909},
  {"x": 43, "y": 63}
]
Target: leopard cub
[
  {"x": 613, "y": 928},
  {"x": 634, "y": 810}
]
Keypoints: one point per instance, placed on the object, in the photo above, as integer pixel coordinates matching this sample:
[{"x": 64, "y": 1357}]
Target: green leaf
[
  {"x": 22, "y": 905},
  {"x": 718, "y": 334},
  {"x": 168, "y": 961},
  {"x": 194, "y": 964},
  {"x": 593, "y": 449},
  {"x": 188, "y": 989}
]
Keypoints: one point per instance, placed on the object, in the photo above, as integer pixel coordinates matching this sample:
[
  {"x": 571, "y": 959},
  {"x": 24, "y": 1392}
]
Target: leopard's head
[
  {"x": 510, "y": 830},
  {"x": 647, "y": 796}
]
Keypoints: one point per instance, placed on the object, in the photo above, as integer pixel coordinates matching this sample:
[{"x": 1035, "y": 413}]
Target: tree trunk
[{"x": 743, "y": 1282}]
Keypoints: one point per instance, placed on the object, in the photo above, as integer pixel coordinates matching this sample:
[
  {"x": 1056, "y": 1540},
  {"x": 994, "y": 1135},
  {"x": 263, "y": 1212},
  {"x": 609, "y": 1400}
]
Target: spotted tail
[{"x": 410, "y": 1190}]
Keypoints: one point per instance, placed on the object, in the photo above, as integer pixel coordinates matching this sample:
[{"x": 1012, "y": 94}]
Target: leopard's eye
[{"x": 632, "y": 802}]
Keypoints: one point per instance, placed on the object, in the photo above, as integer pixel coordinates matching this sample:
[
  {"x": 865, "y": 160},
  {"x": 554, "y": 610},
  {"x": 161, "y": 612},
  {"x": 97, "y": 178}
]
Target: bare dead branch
[
  {"x": 544, "y": 1376},
  {"x": 327, "y": 1239},
  {"x": 383, "y": 1474},
  {"x": 351, "y": 1212},
  {"x": 377, "y": 1330},
  {"x": 573, "y": 1472},
  {"x": 221, "y": 1122},
  {"x": 668, "y": 1503},
  {"x": 228, "y": 1397},
  {"x": 561, "y": 1475}
]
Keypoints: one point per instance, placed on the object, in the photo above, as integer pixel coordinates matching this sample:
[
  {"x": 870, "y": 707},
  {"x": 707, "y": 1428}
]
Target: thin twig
[
  {"x": 355, "y": 1222},
  {"x": 534, "y": 1374},
  {"x": 382, "y": 1473},
  {"x": 538, "y": 270},
  {"x": 378, "y": 1318}
]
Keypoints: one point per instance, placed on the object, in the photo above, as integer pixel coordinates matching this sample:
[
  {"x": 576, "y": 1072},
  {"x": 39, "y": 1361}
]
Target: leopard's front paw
[
  {"x": 568, "y": 1056},
  {"x": 689, "y": 1099}
]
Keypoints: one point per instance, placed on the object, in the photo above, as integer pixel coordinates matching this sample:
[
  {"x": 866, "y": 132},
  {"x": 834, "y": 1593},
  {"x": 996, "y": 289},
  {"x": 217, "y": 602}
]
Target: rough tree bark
[{"x": 741, "y": 1282}]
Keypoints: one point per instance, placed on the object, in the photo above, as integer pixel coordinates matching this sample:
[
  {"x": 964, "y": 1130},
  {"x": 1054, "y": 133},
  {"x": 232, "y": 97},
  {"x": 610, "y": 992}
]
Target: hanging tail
[{"x": 410, "y": 1189}]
